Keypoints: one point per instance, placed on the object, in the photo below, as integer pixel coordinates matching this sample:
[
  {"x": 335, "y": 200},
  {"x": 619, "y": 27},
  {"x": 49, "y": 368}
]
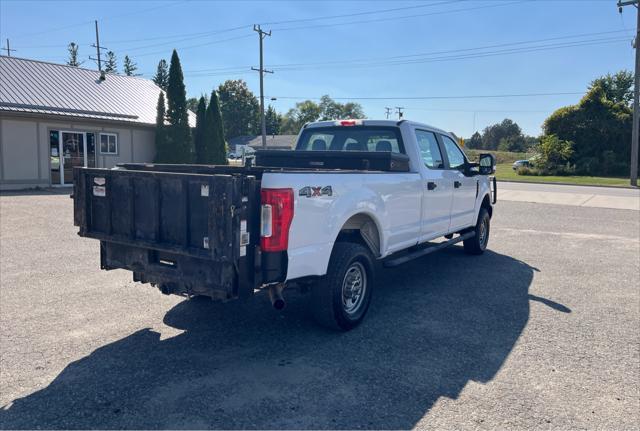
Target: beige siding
[
  {"x": 24, "y": 148},
  {"x": 144, "y": 148},
  {"x": 19, "y": 142}
]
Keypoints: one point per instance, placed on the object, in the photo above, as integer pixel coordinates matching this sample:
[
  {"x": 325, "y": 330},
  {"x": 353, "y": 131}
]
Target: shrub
[
  {"x": 527, "y": 170},
  {"x": 562, "y": 170},
  {"x": 553, "y": 151}
]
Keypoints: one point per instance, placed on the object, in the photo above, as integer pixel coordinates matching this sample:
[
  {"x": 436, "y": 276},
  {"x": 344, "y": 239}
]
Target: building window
[{"x": 108, "y": 143}]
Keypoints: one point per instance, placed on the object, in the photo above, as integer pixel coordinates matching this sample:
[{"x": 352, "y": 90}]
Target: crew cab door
[
  {"x": 437, "y": 191},
  {"x": 464, "y": 188}
]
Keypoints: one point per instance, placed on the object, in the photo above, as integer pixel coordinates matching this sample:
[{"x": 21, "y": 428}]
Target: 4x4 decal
[{"x": 312, "y": 192}]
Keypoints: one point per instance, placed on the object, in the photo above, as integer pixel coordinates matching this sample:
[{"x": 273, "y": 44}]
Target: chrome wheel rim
[
  {"x": 483, "y": 234},
  {"x": 354, "y": 286}
]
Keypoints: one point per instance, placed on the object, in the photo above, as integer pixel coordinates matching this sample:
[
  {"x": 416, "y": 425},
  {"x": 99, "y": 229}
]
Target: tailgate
[{"x": 171, "y": 227}]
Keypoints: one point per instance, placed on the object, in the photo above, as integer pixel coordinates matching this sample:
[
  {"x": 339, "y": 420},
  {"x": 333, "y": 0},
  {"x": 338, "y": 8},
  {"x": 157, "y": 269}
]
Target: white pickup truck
[{"x": 353, "y": 193}]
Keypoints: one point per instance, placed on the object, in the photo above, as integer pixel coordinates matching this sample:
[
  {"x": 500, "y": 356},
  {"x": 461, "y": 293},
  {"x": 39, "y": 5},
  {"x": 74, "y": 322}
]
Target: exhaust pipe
[{"x": 275, "y": 295}]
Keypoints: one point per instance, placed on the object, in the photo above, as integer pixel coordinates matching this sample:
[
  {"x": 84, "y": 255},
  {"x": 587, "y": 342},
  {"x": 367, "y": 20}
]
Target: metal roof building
[{"x": 54, "y": 117}]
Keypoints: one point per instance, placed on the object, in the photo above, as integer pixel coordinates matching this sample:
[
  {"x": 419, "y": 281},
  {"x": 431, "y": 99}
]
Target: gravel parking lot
[{"x": 539, "y": 332}]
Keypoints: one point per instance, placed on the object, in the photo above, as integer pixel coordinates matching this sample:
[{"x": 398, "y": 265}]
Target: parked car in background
[{"x": 521, "y": 163}]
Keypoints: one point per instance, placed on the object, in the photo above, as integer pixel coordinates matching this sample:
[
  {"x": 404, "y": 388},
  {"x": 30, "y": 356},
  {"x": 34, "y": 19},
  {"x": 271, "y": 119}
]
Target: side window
[
  {"x": 429, "y": 149},
  {"x": 456, "y": 158},
  {"x": 108, "y": 143}
]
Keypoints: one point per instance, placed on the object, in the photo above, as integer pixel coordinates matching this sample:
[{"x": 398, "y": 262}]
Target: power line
[
  {"x": 402, "y": 17},
  {"x": 462, "y": 56},
  {"x": 349, "y": 15},
  {"x": 384, "y": 61},
  {"x": 200, "y": 36},
  {"x": 192, "y": 36},
  {"x": 481, "y": 96},
  {"x": 79, "y": 24},
  {"x": 184, "y": 48}
]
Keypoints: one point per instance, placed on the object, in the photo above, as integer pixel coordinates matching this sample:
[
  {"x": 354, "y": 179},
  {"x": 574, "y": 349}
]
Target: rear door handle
[
  {"x": 431, "y": 185},
  {"x": 457, "y": 184}
]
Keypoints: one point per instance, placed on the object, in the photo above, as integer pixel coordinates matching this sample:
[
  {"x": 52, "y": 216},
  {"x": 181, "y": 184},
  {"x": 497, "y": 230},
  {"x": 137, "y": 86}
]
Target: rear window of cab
[{"x": 351, "y": 138}]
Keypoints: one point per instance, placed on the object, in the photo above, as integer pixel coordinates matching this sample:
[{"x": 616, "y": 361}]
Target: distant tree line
[
  {"x": 240, "y": 110},
  {"x": 129, "y": 67},
  {"x": 504, "y": 136},
  {"x": 592, "y": 137}
]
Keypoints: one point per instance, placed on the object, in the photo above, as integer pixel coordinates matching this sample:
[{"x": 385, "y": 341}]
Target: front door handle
[
  {"x": 431, "y": 185},
  {"x": 457, "y": 184}
]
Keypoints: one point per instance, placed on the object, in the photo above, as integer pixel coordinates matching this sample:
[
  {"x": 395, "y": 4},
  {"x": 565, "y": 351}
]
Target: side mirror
[{"x": 487, "y": 164}]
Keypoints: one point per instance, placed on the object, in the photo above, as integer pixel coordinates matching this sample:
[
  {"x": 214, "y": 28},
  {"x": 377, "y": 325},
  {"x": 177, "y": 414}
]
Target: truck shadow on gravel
[{"x": 435, "y": 325}]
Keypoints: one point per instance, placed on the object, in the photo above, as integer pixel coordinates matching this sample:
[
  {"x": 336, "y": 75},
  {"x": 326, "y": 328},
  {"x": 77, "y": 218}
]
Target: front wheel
[
  {"x": 478, "y": 243},
  {"x": 341, "y": 300}
]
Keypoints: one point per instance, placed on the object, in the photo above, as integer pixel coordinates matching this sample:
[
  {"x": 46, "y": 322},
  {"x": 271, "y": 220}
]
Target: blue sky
[{"x": 356, "y": 49}]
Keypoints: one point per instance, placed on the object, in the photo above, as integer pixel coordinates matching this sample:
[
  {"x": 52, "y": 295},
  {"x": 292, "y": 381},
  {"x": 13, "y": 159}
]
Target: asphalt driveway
[{"x": 539, "y": 332}]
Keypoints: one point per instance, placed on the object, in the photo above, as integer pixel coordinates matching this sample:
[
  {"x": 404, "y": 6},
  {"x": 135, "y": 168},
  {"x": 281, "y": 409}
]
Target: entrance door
[
  {"x": 73, "y": 153},
  {"x": 68, "y": 150}
]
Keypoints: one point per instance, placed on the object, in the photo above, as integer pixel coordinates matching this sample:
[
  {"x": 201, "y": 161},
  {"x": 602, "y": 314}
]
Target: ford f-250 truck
[{"x": 353, "y": 193}]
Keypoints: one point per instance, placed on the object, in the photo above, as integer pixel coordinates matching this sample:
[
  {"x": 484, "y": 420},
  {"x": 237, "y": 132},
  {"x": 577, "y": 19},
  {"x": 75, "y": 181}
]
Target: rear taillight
[{"x": 276, "y": 216}]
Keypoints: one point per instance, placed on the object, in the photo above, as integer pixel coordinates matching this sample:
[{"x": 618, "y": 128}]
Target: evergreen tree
[
  {"x": 216, "y": 148},
  {"x": 273, "y": 121},
  {"x": 162, "y": 145},
  {"x": 161, "y": 77},
  {"x": 111, "y": 65},
  {"x": 199, "y": 135},
  {"x": 73, "y": 55},
  {"x": 129, "y": 67},
  {"x": 179, "y": 132}
]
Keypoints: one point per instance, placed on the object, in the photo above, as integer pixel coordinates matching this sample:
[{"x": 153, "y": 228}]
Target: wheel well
[
  {"x": 486, "y": 203},
  {"x": 363, "y": 229}
]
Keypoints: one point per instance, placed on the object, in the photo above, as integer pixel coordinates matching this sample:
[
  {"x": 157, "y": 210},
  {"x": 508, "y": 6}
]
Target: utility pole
[
  {"x": 8, "y": 49},
  {"x": 636, "y": 93},
  {"x": 263, "y": 126},
  {"x": 387, "y": 111},
  {"x": 98, "y": 48},
  {"x": 399, "y": 111}
]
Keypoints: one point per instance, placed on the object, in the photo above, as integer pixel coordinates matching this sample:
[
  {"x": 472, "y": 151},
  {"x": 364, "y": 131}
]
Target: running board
[{"x": 427, "y": 250}]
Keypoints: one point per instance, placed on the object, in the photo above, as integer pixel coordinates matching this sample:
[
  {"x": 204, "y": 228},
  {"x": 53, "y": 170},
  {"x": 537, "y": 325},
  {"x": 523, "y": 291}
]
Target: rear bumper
[{"x": 174, "y": 273}]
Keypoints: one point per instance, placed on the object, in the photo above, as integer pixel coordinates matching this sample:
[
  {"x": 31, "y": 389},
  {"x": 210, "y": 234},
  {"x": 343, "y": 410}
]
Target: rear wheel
[
  {"x": 341, "y": 300},
  {"x": 478, "y": 243}
]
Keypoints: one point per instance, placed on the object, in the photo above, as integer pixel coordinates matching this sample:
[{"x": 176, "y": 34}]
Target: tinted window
[
  {"x": 351, "y": 138},
  {"x": 429, "y": 149},
  {"x": 456, "y": 158}
]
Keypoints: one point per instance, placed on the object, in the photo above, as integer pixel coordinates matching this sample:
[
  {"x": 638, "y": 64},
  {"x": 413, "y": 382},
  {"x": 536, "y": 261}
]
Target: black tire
[
  {"x": 351, "y": 265},
  {"x": 478, "y": 243}
]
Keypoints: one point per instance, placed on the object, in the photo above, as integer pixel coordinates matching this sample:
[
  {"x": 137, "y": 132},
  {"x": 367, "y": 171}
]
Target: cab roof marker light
[{"x": 348, "y": 123}]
